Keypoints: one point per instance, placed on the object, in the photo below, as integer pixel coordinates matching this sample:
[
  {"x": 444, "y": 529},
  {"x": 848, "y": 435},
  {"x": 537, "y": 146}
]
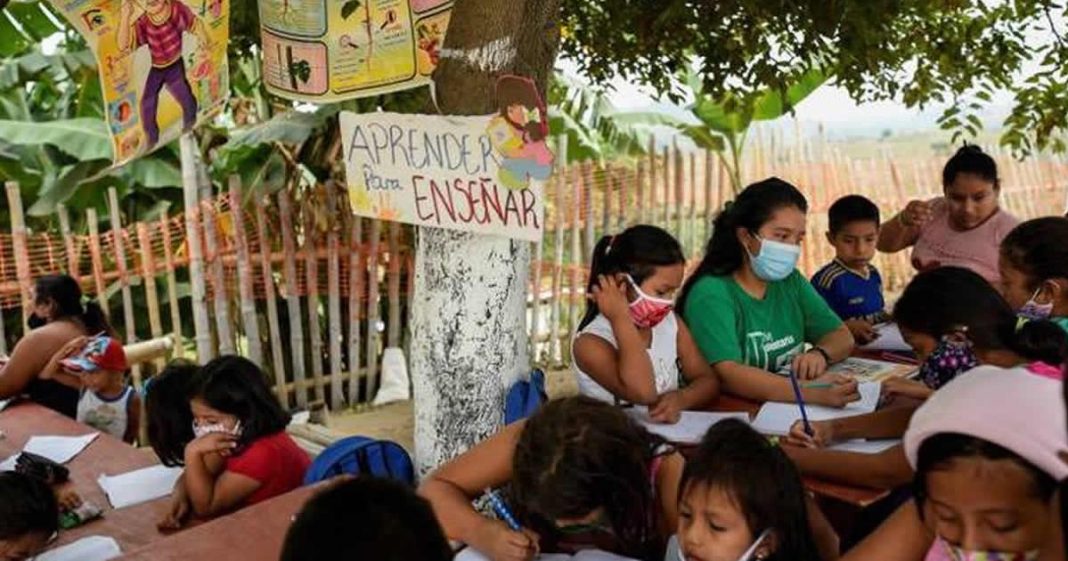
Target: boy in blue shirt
[{"x": 850, "y": 284}]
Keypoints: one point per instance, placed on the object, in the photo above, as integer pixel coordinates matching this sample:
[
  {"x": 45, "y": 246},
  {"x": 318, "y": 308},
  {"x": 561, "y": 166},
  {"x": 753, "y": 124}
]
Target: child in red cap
[{"x": 98, "y": 366}]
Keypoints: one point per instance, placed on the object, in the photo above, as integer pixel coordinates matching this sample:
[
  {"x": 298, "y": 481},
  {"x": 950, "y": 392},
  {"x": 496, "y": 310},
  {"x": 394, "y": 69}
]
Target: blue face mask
[{"x": 775, "y": 261}]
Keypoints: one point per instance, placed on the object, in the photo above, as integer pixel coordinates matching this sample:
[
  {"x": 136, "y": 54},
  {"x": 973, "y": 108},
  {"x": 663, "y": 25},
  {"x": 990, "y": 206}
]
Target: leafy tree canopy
[{"x": 956, "y": 52}]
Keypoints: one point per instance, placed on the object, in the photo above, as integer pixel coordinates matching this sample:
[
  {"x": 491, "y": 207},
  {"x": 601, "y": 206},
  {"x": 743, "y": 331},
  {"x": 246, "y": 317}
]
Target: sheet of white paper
[
  {"x": 92, "y": 548},
  {"x": 776, "y": 418},
  {"x": 890, "y": 339},
  {"x": 691, "y": 427},
  {"x": 139, "y": 486},
  {"x": 59, "y": 449},
  {"x": 864, "y": 446},
  {"x": 469, "y": 554},
  {"x": 9, "y": 463},
  {"x": 4, "y": 403}
]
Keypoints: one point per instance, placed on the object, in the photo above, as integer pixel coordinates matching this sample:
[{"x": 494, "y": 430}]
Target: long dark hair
[
  {"x": 938, "y": 451},
  {"x": 576, "y": 455},
  {"x": 64, "y": 292},
  {"x": 950, "y": 299},
  {"x": 28, "y": 507},
  {"x": 236, "y": 386},
  {"x": 637, "y": 251},
  {"x": 1039, "y": 249},
  {"x": 762, "y": 481},
  {"x": 752, "y": 209},
  {"x": 169, "y": 419}
]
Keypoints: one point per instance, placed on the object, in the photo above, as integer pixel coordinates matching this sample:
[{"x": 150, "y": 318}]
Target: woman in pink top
[{"x": 963, "y": 228}]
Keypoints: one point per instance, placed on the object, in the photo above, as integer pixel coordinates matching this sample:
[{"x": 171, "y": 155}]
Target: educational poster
[
  {"x": 329, "y": 50},
  {"x": 163, "y": 65},
  {"x": 478, "y": 174}
]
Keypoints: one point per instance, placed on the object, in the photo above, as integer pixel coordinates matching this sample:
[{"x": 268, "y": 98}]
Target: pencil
[{"x": 800, "y": 402}]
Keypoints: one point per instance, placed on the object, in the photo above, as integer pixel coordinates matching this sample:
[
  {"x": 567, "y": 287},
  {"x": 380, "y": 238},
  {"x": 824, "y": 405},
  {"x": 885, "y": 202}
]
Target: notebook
[
  {"x": 776, "y": 418},
  {"x": 691, "y": 427},
  {"x": 869, "y": 370},
  {"x": 890, "y": 339}
]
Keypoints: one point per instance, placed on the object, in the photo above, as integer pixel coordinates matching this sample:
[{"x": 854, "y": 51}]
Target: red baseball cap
[{"x": 100, "y": 353}]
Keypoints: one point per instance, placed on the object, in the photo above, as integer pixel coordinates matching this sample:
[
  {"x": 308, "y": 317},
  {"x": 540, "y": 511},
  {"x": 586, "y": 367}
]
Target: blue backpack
[
  {"x": 525, "y": 397},
  {"x": 360, "y": 455}
]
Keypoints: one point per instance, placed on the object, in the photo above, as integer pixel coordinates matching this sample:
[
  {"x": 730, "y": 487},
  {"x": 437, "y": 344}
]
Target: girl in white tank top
[{"x": 630, "y": 346}]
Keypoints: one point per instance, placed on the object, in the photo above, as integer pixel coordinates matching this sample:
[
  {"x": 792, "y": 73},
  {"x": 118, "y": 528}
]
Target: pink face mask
[{"x": 647, "y": 311}]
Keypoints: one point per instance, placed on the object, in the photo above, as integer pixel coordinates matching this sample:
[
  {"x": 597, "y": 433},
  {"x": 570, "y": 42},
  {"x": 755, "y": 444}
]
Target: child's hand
[
  {"x": 905, "y": 387},
  {"x": 809, "y": 365},
  {"x": 220, "y": 442},
  {"x": 611, "y": 298},
  {"x": 177, "y": 512},
  {"x": 500, "y": 543},
  {"x": 916, "y": 214},
  {"x": 864, "y": 332},
  {"x": 67, "y": 498},
  {"x": 821, "y": 437},
  {"x": 842, "y": 392},
  {"x": 668, "y": 408}
]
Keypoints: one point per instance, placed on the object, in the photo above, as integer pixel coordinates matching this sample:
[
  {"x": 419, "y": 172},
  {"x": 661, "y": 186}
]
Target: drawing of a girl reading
[{"x": 518, "y": 133}]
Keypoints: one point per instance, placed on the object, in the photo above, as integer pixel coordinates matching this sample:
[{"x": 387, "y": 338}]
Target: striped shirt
[{"x": 165, "y": 40}]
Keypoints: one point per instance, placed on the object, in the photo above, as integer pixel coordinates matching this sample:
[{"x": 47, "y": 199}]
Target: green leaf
[
  {"x": 292, "y": 127},
  {"x": 12, "y": 41},
  {"x": 84, "y": 139},
  {"x": 56, "y": 190},
  {"x": 153, "y": 172},
  {"x": 704, "y": 138},
  {"x": 649, "y": 118},
  {"x": 32, "y": 20}
]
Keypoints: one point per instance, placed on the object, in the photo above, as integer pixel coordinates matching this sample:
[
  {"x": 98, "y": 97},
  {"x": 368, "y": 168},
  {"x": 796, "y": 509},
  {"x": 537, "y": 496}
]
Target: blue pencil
[
  {"x": 800, "y": 402},
  {"x": 502, "y": 510}
]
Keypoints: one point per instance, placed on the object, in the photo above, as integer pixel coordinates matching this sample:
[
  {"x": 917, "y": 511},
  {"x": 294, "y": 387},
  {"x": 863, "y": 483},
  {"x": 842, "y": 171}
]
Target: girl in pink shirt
[{"x": 964, "y": 228}]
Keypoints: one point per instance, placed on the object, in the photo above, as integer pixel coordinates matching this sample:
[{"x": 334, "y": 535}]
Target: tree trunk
[{"x": 469, "y": 340}]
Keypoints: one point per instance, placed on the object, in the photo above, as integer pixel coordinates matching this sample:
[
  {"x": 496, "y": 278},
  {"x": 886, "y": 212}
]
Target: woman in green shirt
[
  {"x": 1033, "y": 264},
  {"x": 752, "y": 313}
]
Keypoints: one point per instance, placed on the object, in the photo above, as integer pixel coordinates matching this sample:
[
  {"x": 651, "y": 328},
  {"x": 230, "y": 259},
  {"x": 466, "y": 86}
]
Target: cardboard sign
[{"x": 163, "y": 66}]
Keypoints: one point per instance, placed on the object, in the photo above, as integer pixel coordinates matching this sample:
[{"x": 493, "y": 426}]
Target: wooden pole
[
  {"x": 148, "y": 277},
  {"x": 665, "y": 220},
  {"x": 220, "y": 298},
  {"x": 394, "y": 284},
  {"x": 172, "y": 288},
  {"x": 357, "y": 269},
  {"x": 535, "y": 286},
  {"x": 278, "y": 363},
  {"x": 680, "y": 197},
  {"x": 191, "y": 195},
  {"x": 296, "y": 329},
  {"x": 639, "y": 184},
  {"x": 692, "y": 219},
  {"x": 619, "y": 177},
  {"x": 372, "y": 309},
  {"x": 311, "y": 269},
  {"x": 576, "y": 253},
  {"x": 333, "y": 288},
  {"x": 587, "y": 207},
  {"x": 710, "y": 204},
  {"x": 606, "y": 209},
  {"x": 68, "y": 242},
  {"x": 117, "y": 239},
  {"x": 245, "y": 291},
  {"x": 561, "y": 176},
  {"x": 96, "y": 255},
  {"x": 22, "y": 257}
]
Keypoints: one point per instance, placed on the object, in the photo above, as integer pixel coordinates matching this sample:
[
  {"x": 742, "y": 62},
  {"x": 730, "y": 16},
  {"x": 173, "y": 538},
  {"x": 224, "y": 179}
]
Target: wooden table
[
  {"x": 131, "y": 527},
  {"x": 255, "y": 533},
  {"x": 856, "y": 496}
]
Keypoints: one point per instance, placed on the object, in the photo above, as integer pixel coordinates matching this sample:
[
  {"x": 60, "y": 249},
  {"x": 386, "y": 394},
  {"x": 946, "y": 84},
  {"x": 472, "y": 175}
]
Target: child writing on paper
[
  {"x": 236, "y": 415},
  {"x": 740, "y": 498},
  {"x": 339, "y": 523},
  {"x": 98, "y": 367},
  {"x": 630, "y": 345},
  {"x": 954, "y": 320},
  {"x": 850, "y": 284}
]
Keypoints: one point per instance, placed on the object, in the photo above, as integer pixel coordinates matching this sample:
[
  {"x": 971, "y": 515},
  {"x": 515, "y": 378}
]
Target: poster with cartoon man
[{"x": 163, "y": 65}]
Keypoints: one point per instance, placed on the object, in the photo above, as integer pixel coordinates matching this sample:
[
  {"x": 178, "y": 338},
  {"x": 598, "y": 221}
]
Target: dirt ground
[{"x": 394, "y": 421}]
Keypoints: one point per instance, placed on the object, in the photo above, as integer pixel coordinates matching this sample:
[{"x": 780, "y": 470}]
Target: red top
[
  {"x": 275, "y": 461},
  {"x": 165, "y": 40}
]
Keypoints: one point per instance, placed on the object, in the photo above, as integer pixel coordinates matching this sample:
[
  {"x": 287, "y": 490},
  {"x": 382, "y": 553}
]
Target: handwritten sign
[
  {"x": 330, "y": 50},
  {"x": 446, "y": 172},
  {"x": 162, "y": 63}
]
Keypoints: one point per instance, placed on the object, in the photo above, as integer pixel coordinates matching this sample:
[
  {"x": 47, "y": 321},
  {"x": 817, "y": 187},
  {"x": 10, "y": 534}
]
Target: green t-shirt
[{"x": 729, "y": 324}]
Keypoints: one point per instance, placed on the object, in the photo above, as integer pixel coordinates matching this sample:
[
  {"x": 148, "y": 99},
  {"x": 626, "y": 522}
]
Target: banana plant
[
  {"x": 722, "y": 125},
  {"x": 586, "y": 116}
]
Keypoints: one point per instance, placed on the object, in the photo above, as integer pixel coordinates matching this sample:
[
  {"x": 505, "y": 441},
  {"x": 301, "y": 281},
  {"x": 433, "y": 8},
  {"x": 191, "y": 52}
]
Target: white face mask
[
  {"x": 204, "y": 430},
  {"x": 747, "y": 556}
]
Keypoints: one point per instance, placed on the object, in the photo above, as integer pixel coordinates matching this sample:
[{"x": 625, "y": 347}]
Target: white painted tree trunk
[{"x": 469, "y": 339}]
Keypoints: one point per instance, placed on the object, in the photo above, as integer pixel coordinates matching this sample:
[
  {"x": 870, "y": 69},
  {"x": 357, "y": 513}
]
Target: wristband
[{"x": 819, "y": 349}]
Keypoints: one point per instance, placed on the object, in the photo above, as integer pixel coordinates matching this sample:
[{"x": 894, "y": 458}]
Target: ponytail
[
  {"x": 637, "y": 251},
  {"x": 64, "y": 292},
  {"x": 752, "y": 209}
]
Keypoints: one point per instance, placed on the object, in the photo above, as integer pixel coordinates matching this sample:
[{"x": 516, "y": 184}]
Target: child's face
[
  {"x": 204, "y": 414},
  {"x": 854, "y": 243},
  {"x": 663, "y": 283},
  {"x": 986, "y": 505},
  {"x": 711, "y": 526},
  {"x": 22, "y": 547},
  {"x": 102, "y": 380},
  {"x": 517, "y": 114},
  {"x": 922, "y": 344}
]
